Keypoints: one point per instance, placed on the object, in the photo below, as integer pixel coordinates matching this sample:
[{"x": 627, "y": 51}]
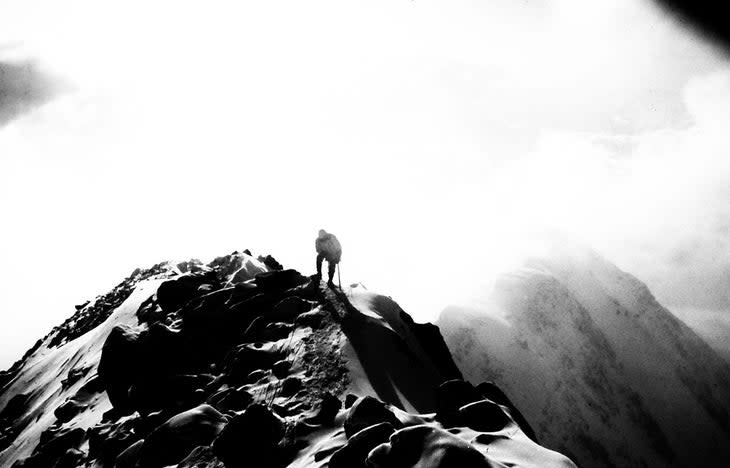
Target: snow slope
[
  {"x": 42, "y": 375},
  {"x": 604, "y": 372}
]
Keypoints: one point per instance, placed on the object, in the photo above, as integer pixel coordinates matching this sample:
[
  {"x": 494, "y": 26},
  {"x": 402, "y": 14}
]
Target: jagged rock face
[
  {"x": 244, "y": 363},
  {"x": 600, "y": 369}
]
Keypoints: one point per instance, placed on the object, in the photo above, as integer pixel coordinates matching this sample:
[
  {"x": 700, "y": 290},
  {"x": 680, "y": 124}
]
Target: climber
[{"x": 329, "y": 248}]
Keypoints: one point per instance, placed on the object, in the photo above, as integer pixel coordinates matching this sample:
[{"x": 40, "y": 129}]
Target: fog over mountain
[
  {"x": 548, "y": 180},
  {"x": 457, "y": 127}
]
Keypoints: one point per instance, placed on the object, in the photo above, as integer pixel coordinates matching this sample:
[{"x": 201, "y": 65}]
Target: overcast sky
[{"x": 429, "y": 136}]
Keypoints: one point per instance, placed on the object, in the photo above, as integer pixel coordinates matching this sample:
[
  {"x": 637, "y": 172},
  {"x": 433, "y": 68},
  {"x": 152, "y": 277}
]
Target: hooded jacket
[{"x": 328, "y": 246}]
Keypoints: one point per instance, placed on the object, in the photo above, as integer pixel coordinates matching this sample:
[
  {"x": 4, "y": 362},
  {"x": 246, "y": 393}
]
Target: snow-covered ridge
[{"x": 243, "y": 363}]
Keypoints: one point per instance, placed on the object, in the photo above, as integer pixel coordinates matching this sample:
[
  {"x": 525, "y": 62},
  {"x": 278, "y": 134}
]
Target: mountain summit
[{"x": 240, "y": 362}]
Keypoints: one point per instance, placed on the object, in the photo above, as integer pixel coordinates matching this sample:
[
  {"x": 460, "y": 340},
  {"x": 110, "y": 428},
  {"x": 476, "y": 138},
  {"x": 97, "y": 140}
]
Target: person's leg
[
  {"x": 331, "y": 271},
  {"x": 320, "y": 257}
]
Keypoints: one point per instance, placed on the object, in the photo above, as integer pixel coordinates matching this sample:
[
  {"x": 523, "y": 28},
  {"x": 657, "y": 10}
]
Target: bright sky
[{"x": 431, "y": 137}]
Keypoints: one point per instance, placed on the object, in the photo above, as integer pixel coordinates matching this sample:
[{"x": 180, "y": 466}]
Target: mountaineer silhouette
[{"x": 329, "y": 248}]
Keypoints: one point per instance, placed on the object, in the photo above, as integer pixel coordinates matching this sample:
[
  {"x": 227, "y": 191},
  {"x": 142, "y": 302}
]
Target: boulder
[
  {"x": 350, "y": 399},
  {"x": 171, "y": 442},
  {"x": 107, "y": 441},
  {"x": 366, "y": 412},
  {"x": 251, "y": 439},
  {"x": 281, "y": 368},
  {"x": 290, "y": 386},
  {"x": 452, "y": 395},
  {"x": 246, "y": 358},
  {"x": 257, "y": 375},
  {"x": 288, "y": 309},
  {"x": 483, "y": 416},
  {"x": 175, "y": 392},
  {"x": 427, "y": 447},
  {"x": 312, "y": 319},
  {"x": 129, "y": 457},
  {"x": 270, "y": 262},
  {"x": 173, "y": 294},
  {"x": 71, "y": 459},
  {"x": 491, "y": 391},
  {"x": 279, "y": 280},
  {"x": 231, "y": 399},
  {"x": 53, "y": 445},
  {"x": 16, "y": 407},
  {"x": 328, "y": 408},
  {"x": 275, "y": 331},
  {"x": 121, "y": 356},
  {"x": 201, "y": 457},
  {"x": 68, "y": 410},
  {"x": 354, "y": 453},
  {"x": 149, "y": 312}
]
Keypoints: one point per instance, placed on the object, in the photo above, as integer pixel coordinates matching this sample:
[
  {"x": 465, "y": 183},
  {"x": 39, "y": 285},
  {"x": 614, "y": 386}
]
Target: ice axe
[{"x": 339, "y": 279}]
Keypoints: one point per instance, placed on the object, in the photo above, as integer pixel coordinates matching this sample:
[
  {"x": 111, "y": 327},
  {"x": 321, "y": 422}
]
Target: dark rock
[
  {"x": 355, "y": 452},
  {"x": 118, "y": 366},
  {"x": 251, "y": 439},
  {"x": 146, "y": 424},
  {"x": 73, "y": 376},
  {"x": 227, "y": 265},
  {"x": 177, "y": 392},
  {"x": 288, "y": 309},
  {"x": 92, "y": 386},
  {"x": 271, "y": 262},
  {"x": 350, "y": 399},
  {"x": 366, "y": 412},
  {"x": 275, "y": 331},
  {"x": 150, "y": 312},
  {"x": 257, "y": 375},
  {"x": 241, "y": 292},
  {"x": 173, "y": 294},
  {"x": 215, "y": 324},
  {"x": 309, "y": 290},
  {"x": 129, "y": 457},
  {"x": 492, "y": 392},
  {"x": 201, "y": 457},
  {"x": 452, "y": 395},
  {"x": 279, "y": 280},
  {"x": 426, "y": 446},
  {"x": 231, "y": 399},
  {"x": 432, "y": 342},
  {"x": 16, "y": 407},
  {"x": 107, "y": 441},
  {"x": 54, "y": 443},
  {"x": 329, "y": 406},
  {"x": 71, "y": 459},
  {"x": 311, "y": 319},
  {"x": 175, "y": 439},
  {"x": 483, "y": 416},
  {"x": 255, "y": 329},
  {"x": 281, "y": 368},
  {"x": 68, "y": 410},
  {"x": 245, "y": 274},
  {"x": 290, "y": 386},
  {"x": 112, "y": 415},
  {"x": 246, "y": 358}
]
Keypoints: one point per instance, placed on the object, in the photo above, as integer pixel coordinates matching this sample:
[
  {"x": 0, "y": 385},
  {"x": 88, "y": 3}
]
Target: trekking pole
[{"x": 339, "y": 279}]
